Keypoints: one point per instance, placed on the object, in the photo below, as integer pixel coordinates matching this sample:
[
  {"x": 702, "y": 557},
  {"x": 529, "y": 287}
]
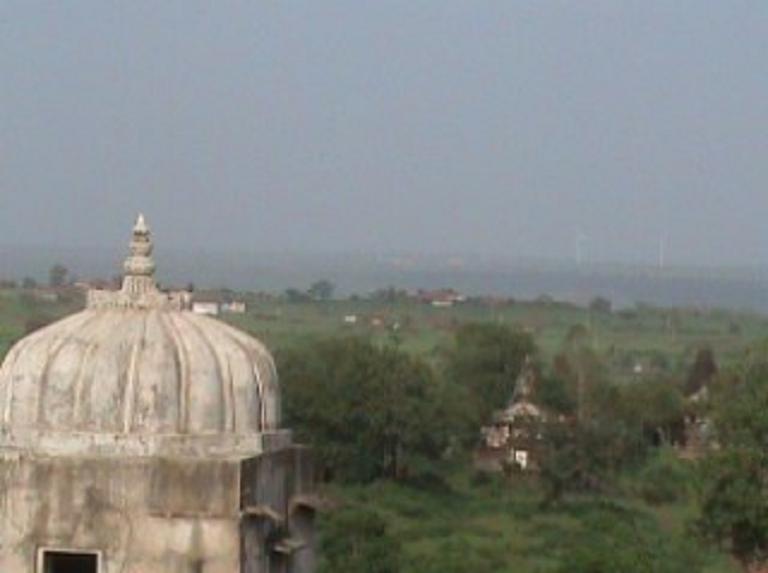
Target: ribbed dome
[{"x": 135, "y": 365}]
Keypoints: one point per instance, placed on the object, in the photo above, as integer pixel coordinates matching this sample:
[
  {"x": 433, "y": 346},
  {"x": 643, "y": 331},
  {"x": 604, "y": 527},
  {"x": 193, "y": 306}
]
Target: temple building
[
  {"x": 513, "y": 439},
  {"x": 139, "y": 437}
]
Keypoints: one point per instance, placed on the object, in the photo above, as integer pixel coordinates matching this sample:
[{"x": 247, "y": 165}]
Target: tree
[
  {"x": 389, "y": 295},
  {"x": 28, "y": 283},
  {"x": 582, "y": 371},
  {"x": 657, "y": 407},
  {"x": 553, "y": 393},
  {"x": 321, "y": 290},
  {"x": 734, "y": 506},
  {"x": 703, "y": 370},
  {"x": 57, "y": 275},
  {"x": 586, "y": 451},
  {"x": 601, "y": 305},
  {"x": 587, "y": 455},
  {"x": 370, "y": 411},
  {"x": 485, "y": 362},
  {"x": 295, "y": 295}
]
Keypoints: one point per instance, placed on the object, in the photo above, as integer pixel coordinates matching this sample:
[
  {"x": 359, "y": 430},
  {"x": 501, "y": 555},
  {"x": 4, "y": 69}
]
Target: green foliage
[
  {"x": 601, "y": 305},
  {"x": 355, "y": 540},
  {"x": 484, "y": 362},
  {"x": 665, "y": 479},
  {"x": 582, "y": 372},
  {"x": 293, "y": 295},
  {"x": 585, "y": 456},
  {"x": 734, "y": 505},
  {"x": 462, "y": 555},
  {"x": 585, "y": 452},
  {"x": 702, "y": 371},
  {"x": 321, "y": 290},
  {"x": 370, "y": 411},
  {"x": 656, "y": 406},
  {"x": 57, "y": 275},
  {"x": 553, "y": 393},
  {"x": 626, "y": 543}
]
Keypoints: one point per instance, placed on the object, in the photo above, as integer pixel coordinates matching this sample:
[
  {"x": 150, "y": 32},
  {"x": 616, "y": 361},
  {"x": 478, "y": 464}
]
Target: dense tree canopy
[
  {"x": 370, "y": 411},
  {"x": 734, "y": 503},
  {"x": 485, "y": 362},
  {"x": 585, "y": 449}
]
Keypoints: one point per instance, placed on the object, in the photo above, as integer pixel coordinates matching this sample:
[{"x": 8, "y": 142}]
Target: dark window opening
[{"x": 62, "y": 562}]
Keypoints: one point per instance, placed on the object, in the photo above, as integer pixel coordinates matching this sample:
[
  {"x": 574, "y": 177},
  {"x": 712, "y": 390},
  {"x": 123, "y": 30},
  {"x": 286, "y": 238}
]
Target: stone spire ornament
[
  {"x": 139, "y": 267},
  {"x": 139, "y": 289},
  {"x": 526, "y": 381}
]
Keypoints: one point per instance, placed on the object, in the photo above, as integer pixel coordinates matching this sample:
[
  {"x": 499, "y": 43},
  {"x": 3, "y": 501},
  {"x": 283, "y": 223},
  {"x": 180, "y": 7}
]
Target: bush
[
  {"x": 612, "y": 543},
  {"x": 664, "y": 480},
  {"x": 355, "y": 540}
]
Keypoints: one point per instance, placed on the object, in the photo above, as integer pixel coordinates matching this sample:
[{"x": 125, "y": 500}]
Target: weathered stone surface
[
  {"x": 139, "y": 372},
  {"x": 137, "y": 367},
  {"x": 151, "y": 436}
]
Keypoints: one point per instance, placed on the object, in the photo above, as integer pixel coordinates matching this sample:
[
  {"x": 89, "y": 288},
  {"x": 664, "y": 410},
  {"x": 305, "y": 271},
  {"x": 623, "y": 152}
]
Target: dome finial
[
  {"x": 141, "y": 225},
  {"x": 139, "y": 289},
  {"x": 139, "y": 267}
]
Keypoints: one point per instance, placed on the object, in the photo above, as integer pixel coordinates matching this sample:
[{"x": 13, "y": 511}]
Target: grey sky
[{"x": 440, "y": 127}]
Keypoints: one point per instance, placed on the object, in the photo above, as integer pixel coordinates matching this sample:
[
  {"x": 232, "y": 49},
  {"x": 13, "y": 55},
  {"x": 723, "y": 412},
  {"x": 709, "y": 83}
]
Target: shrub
[{"x": 355, "y": 540}]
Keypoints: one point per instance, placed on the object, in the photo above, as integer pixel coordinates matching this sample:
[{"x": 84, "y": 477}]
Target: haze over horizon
[{"x": 505, "y": 129}]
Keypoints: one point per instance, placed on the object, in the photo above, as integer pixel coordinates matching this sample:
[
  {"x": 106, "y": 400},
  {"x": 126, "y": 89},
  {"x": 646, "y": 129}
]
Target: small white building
[
  {"x": 206, "y": 308},
  {"x": 234, "y": 307}
]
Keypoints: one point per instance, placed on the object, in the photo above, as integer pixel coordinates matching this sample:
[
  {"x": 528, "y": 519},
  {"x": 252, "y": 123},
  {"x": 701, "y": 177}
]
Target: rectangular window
[{"x": 65, "y": 561}]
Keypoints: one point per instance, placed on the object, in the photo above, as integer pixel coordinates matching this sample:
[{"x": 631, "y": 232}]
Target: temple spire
[
  {"x": 139, "y": 290},
  {"x": 139, "y": 267}
]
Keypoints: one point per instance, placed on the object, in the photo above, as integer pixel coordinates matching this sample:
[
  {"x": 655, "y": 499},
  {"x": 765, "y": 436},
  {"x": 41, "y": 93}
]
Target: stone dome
[{"x": 138, "y": 372}]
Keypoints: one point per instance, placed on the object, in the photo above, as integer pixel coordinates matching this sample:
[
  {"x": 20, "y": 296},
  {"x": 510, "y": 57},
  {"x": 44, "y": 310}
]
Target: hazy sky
[{"x": 421, "y": 126}]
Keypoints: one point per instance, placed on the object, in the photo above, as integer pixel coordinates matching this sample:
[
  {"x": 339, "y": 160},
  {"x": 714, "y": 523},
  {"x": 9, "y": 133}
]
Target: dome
[{"x": 137, "y": 371}]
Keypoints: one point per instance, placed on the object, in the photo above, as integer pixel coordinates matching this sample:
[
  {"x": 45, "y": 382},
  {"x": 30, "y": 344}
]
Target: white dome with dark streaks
[{"x": 136, "y": 371}]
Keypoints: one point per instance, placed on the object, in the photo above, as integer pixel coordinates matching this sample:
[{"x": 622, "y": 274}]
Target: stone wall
[
  {"x": 146, "y": 516},
  {"x": 158, "y": 515}
]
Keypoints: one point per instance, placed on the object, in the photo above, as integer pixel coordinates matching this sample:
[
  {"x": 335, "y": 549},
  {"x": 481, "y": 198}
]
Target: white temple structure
[{"x": 139, "y": 437}]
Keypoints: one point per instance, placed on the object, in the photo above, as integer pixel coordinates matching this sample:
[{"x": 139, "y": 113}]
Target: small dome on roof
[{"x": 136, "y": 371}]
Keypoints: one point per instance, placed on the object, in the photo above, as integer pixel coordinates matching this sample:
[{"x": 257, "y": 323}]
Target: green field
[
  {"x": 652, "y": 337},
  {"x": 657, "y": 339}
]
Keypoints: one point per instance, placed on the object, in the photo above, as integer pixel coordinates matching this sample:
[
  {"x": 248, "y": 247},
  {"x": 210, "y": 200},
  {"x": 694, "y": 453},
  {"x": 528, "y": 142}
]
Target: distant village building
[
  {"x": 46, "y": 295},
  {"x": 205, "y": 308},
  {"x": 234, "y": 307},
  {"x": 441, "y": 298},
  {"x": 513, "y": 438},
  {"x": 350, "y": 319},
  {"x": 139, "y": 437}
]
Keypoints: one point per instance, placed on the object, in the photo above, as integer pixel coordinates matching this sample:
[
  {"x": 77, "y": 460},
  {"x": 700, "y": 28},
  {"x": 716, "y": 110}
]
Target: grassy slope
[{"x": 499, "y": 527}]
